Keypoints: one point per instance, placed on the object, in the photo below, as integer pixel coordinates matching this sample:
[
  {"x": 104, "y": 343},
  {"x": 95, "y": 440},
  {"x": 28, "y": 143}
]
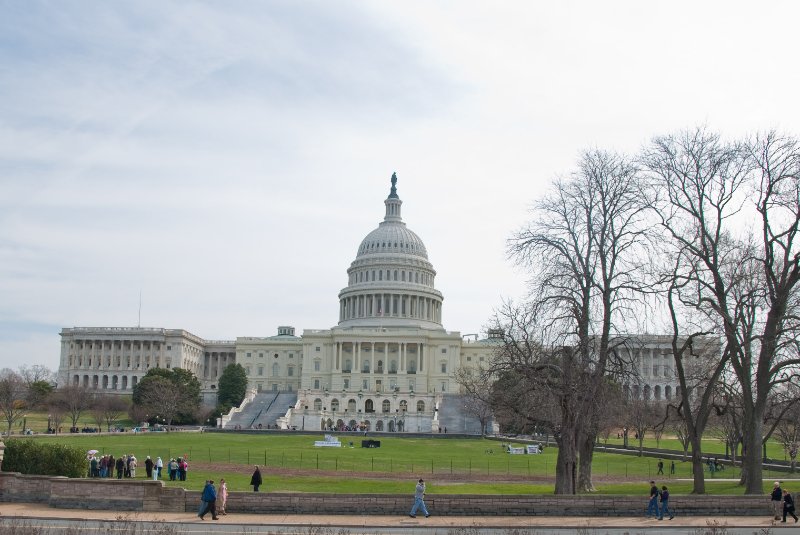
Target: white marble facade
[{"x": 387, "y": 361}]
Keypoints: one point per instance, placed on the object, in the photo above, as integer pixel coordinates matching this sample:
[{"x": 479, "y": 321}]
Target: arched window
[
  {"x": 646, "y": 392},
  {"x": 317, "y": 404},
  {"x": 404, "y": 406},
  {"x": 668, "y": 392},
  {"x": 334, "y": 404},
  {"x": 369, "y": 406},
  {"x": 385, "y": 405},
  {"x": 420, "y": 406},
  {"x": 351, "y": 405},
  {"x": 657, "y": 392},
  {"x": 379, "y": 426}
]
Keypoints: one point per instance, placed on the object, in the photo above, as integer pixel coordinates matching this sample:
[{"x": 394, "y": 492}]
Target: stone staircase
[
  {"x": 265, "y": 409},
  {"x": 453, "y": 416}
]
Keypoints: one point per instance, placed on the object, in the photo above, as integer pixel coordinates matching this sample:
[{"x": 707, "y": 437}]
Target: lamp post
[{"x": 48, "y": 424}]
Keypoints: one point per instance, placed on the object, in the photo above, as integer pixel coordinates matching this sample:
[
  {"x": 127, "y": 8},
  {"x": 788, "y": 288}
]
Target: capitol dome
[{"x": 391, "y": 281}]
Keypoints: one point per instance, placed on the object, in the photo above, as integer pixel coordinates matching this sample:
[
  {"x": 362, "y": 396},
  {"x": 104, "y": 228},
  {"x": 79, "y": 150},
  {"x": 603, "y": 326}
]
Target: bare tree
[
  {"x": 477, "y": 387},
  {"x": 113, "y": 409},
  {"x": 12, "y": 397},
  {"x": 788, "y": 434},
  {"x": 35, "y": 373},
  {"x": 163, "y": 399},
  {"x": 74, "y": 400},
  {"x": 585, "y": 247},
  {"x": 743, "y": 283},
  {"x": 642, "y": 418}
]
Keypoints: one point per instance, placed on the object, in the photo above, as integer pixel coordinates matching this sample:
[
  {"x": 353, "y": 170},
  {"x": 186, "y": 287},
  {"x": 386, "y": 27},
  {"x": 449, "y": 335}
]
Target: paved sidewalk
[{"x": 368, "y": 523}]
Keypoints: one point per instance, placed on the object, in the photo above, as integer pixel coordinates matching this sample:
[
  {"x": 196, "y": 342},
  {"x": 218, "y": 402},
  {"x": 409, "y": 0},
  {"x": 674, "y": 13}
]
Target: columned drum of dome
[{"x": 391, "y": 281}]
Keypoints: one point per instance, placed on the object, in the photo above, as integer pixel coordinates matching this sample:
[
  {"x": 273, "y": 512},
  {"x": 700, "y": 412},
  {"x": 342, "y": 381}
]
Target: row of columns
[
  {"x": 414, "y": 350},
  {"x": 106, "y": 382},
  {"x": 390, "y": 305},
  {"x": 93, "y": 358}
]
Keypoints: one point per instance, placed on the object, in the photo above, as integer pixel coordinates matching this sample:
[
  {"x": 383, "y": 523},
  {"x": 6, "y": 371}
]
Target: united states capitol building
[{"x": 386, "y": 366}]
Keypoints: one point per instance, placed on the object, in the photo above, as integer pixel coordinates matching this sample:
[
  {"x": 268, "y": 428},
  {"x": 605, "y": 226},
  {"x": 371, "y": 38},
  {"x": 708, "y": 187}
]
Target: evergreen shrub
[{"x": 42, "y": 458}]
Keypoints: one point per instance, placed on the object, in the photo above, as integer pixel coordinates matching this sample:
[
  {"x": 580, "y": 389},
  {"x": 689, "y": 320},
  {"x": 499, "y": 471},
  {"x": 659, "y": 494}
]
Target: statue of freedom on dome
[{"x": 394, "y": 185}]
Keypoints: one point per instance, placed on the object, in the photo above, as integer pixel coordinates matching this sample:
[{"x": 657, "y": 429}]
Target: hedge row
[{"x": 40, "y": 458}]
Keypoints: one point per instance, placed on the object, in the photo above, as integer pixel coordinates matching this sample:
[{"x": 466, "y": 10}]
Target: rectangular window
[
  {"x": 317, "y": 349},
  {"x": 249, "y": 355},
  {"x": 316, "y": 384},
  {"x": 346, "y": 384},
  {"x": 444, "y": 350},
  {"x": 655, "y": 370},
  {"x": 444, "y": 367},
  {"x": 261, "y": 370},
  {"x": 291, "y": 355},
  {"x": 169, "y": 348},
  {"x": 290, "y": 371},
  {"x": 316, "y": 365}
]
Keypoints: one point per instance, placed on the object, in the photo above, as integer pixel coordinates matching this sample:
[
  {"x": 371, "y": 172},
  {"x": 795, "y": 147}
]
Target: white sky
[{"x": 227, "y": 158}]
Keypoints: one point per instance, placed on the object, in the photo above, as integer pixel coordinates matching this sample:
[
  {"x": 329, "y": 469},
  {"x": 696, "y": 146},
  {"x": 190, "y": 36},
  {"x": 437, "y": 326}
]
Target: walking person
[
  {"x": 159, "y": 466},
  {"x": 660, "y": 467},
  {"x": 210, "y": 497},
  {"x": 665, "y": 504},
  {"x": 777, "y": 500},
  {"x": 672, "y": 468},
  {"x": 788, "y": 506},
  {"x": 255, "y": 479},
  {"x": 419, "y": 500},
  {"x": 652, "y": 505},
  {"x": 222, "y": 495}
]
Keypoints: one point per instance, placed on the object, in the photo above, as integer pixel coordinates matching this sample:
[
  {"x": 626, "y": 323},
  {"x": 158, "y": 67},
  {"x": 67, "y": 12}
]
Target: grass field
[{"x": 461, "y": 466}]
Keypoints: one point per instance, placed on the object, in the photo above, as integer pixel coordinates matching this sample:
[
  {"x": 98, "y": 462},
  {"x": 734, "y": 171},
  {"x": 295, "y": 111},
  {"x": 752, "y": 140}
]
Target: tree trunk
[
  {"x": 566, "y": 465},
  {"x": 585, "y": 457},
  {"x": 752, "y": 469},
  {"x": 698, "y": 477}
]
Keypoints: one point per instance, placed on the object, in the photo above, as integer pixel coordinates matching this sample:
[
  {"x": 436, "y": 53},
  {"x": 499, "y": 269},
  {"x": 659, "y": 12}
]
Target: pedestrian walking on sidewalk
[
  {"x": 652, "y": 505},
  {"x": 419, "y": 500},
  {"x": 665, "y": 504},
  {"x": 777, "y": 501},
  {"x": 210, "y": 498},
  {"x": 788, "y": 506}
]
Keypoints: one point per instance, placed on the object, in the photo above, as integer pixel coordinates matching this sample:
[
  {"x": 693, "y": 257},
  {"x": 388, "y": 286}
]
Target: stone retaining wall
[{"x": 143, "y": 495}]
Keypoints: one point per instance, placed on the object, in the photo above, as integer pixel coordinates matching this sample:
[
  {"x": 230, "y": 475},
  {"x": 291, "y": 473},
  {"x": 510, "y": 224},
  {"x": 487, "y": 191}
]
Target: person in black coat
[
  {"x": 788, "y": 506},
  {"x": 148, "y": 467},
  {"x": 120, "y": 466},
  {"x": 256, "y": 480}
]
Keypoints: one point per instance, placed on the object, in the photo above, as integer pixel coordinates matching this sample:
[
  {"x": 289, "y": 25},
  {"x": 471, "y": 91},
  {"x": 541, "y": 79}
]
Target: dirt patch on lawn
[{"x": 441, "y": 478}]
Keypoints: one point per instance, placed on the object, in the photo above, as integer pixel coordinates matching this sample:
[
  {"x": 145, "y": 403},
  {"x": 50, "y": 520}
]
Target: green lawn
[{"x": 458, "y": 465}]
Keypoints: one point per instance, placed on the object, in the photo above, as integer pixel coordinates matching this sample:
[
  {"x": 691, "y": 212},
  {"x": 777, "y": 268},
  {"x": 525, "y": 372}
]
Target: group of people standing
[
  {"x": 656, "y": 509},
  {"x": 107, "y": 466},
  {"x": 782, "y": 502}
]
